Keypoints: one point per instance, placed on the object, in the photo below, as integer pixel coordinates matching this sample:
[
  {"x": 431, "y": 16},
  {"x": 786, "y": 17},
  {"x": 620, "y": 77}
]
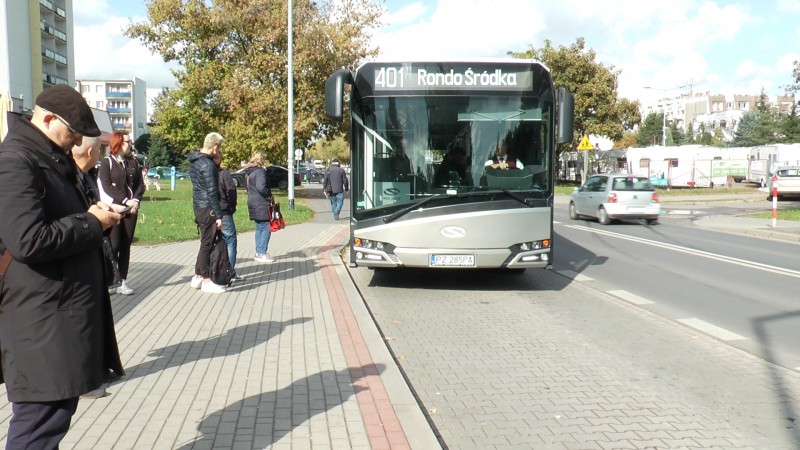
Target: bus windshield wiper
[{"x": 396, "y": 215}]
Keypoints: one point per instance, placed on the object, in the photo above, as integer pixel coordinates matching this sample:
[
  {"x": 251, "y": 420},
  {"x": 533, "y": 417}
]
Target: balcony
[
  {"x": 47, "y": 4},
  {"x": 118, "y": 110},
  {"x": 118, "y": 94}
]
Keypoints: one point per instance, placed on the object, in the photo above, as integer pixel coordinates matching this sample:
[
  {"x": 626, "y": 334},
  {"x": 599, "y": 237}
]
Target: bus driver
[{"x": 500, "y": 159}]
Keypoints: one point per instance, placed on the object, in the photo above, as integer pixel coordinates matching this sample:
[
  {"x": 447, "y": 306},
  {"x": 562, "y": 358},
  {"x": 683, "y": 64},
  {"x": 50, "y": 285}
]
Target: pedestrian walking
[
  {"x": 55, "y": 334},
  {"x": 335, "y": 185},
  {"x": 121, "y": 183},
  {"x": 227, "y": 202},
  {"x": 259, "y": 199},
  {"x": 207, "y": 210}
]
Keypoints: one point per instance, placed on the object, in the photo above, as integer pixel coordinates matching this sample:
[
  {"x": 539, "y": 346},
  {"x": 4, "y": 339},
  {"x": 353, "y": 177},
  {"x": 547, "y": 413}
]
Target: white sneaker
[
  {"x": 124, "y": 289},
  {"x": 197, "y": 280},
  {"x": 265, "y": 258},
  {"x": 237, "y": 277},
  {"x": 212, "y": 288}
]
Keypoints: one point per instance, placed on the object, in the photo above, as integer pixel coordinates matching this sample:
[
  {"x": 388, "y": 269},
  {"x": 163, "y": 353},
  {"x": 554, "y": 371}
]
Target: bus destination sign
[{"x": 433, "y": 77}]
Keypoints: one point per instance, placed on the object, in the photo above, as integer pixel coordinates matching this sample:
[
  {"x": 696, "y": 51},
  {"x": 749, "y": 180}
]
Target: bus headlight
[
  {"x": 534, "y": 245},
  {"x": 368, "y": 244}
]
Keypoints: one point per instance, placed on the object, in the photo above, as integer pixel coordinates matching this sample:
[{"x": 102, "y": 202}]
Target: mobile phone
[{"x": 126, "y": 210}]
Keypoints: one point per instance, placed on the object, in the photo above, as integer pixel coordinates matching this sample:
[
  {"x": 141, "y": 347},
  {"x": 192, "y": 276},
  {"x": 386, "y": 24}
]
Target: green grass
[
  {"x": 784, "y": 214},
  {"x": 167, "y": 216}
]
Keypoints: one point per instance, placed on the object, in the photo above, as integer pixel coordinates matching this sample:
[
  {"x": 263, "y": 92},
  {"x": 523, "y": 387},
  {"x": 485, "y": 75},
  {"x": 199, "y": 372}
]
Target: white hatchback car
[
  {"x": 615, "y": 196},
  {"x": 787, "y": 180}
]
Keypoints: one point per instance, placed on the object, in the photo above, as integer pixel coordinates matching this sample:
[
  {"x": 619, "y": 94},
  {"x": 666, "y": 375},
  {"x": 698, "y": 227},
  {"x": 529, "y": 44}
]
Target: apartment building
[
  {"x": 125, "y": 101},
  {"x": 36, "y": 50},
  {"x": 696, "y": 111}
]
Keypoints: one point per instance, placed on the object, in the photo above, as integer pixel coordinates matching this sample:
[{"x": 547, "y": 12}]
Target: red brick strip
[{"x": 382, "y": 424}]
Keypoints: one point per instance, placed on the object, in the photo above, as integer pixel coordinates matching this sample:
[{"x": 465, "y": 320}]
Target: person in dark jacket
[
  {"x": 120, "y": 179},
  {"x": 86, "y": 156},
  {"x": 259, "y": 199},
  {"x": 227, "y": 202},
  {"x": 336, "y": 178},
  {"x": 207, "y": 209},
  {"x": 55, "y": 335}
]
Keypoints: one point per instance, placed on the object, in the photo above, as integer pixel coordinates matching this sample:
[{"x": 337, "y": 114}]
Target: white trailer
[
  {"x": 684, "y": 166},
  {"x": 764, "y": 159}
]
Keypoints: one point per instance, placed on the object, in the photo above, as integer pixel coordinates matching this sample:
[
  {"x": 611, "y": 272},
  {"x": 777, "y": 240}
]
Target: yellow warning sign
[{"x": 585, "y": 144}]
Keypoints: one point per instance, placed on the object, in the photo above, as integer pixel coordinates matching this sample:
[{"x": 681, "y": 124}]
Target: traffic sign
[{"x": 585, "y": 144}]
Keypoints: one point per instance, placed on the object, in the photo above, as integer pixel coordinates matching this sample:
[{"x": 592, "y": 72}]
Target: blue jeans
[
  {"x": 337, "y": 200},
  {"x": 262, "y": 236},
  {"x": 229, "y": 233}
]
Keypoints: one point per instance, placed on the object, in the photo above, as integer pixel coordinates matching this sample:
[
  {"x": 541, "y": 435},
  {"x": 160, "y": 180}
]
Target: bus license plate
[{"x": 452, "y": 260}]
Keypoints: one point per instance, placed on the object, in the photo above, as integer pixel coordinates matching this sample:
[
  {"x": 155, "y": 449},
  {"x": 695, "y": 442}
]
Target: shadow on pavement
[
  {"x": 259, "y": 421},
  {"x": 236, "y": 340}
]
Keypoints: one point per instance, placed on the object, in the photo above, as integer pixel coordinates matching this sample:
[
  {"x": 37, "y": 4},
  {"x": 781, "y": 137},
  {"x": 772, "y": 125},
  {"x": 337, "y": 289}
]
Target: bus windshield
[{"x": 416, "y": 147}]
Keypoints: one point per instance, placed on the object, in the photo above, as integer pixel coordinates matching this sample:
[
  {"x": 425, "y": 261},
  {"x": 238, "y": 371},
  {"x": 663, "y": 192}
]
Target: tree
[
  {"x": 327, "y": 149},
  {"x": 142, "y": 143},
  {"x": 755, "y": 128},
  {"x": 651, "y": 130},
  {"x": 598, "y": 109},
  {"x": 790, "y": 125},
  {"x": 161, "y": 153},
  {"x": 233, "y": 76},
  {"x": 628, "y": 140}
]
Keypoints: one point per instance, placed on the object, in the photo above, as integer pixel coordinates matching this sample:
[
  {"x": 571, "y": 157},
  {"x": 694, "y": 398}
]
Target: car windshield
[{"x": 631, "y": 184}]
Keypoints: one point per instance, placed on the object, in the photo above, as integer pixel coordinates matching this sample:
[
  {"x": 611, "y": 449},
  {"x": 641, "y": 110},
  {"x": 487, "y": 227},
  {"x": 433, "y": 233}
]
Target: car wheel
[
  {"x": 573, "y": 214},
  {"x": 283, "y": 185},
  {"x": 602, "y": 216}
]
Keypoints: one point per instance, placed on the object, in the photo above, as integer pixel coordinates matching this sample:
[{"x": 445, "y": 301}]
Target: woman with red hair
[{"x": 120, "y": 181}]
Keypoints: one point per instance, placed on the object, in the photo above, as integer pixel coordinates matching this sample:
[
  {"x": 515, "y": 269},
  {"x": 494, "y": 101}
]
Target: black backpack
[{"x": 220, "y": 264}]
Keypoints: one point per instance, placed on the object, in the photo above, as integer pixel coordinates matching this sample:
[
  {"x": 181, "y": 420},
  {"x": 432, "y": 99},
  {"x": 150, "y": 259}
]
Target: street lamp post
[{"x": 664, "y": 112}]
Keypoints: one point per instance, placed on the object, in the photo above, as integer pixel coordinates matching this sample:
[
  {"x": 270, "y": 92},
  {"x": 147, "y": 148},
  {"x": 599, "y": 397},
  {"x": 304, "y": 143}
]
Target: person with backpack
[
  {"x": 54, "y": 330},
  {"x": 207, "y": 209},
  {"x": 227, "y": 201},
  {"x": 334, "y": 186}
]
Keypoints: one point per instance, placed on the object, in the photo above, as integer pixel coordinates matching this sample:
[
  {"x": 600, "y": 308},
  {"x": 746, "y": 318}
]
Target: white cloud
[
  {"x": 103, "y": 52},
  {"x": 789, "y": 6},
  {"x": 408, "y": 14}
]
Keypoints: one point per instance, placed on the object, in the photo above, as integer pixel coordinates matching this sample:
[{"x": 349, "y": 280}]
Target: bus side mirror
[
  {"x": 334, "y": 94},
  {"x": 566, "y": 115}
]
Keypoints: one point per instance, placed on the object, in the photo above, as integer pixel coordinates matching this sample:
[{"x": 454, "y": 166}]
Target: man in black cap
[{"x": 55, "y": 333}]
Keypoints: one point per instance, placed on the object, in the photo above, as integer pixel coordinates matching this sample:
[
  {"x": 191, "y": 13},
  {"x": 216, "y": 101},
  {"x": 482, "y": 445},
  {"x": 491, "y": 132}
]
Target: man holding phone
[{"x": 54, "y": 329}]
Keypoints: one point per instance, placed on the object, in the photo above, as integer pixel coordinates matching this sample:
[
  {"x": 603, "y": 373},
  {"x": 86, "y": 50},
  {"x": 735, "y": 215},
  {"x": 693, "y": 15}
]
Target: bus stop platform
[{"x": 289, "y": 358}]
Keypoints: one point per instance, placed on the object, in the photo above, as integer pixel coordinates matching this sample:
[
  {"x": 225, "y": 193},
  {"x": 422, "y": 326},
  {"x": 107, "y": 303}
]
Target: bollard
[{"x": 774, "y": 203}]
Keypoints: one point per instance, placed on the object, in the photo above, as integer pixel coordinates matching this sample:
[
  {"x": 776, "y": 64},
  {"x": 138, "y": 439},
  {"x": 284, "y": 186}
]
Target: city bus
[{"x": 427, "y": 186}]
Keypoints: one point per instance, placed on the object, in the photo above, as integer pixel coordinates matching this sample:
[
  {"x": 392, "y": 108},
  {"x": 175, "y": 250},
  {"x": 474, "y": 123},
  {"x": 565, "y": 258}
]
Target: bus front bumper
[{"x": 452, "y": 259}]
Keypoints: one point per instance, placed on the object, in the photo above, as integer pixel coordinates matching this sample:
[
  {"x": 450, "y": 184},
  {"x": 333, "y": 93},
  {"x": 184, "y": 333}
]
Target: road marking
[
  {"x": 630, "y": 297},
  {"x": 575, "y": 275},
  {"x": 695, "y": 252},
  {"x": 713, "y": 330}
]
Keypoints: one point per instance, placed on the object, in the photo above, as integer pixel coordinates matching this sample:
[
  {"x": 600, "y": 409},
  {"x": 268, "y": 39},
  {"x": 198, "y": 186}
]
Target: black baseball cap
[{"x": 70, "y": 106}]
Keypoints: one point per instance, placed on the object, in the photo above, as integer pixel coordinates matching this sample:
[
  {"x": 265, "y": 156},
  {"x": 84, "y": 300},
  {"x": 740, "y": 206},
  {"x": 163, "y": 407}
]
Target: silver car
[{"x": 615, "y": 196}]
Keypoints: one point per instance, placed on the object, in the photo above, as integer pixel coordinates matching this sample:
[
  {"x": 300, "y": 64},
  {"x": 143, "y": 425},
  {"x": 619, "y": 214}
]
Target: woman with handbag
[{"x": 259, "y": 200}]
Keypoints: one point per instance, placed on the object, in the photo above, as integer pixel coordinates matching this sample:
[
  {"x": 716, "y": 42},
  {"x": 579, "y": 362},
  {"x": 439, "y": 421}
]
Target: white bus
[{"x": 421, "y": 136}]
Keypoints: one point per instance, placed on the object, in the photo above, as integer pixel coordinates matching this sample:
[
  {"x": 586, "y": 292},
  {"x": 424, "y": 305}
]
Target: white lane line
[
  {"x": 630, "y": 297},
  {"x": 713, "y": 330},
  {"x": 695, "y": 252},
  {"x": 575, "y": 275}
]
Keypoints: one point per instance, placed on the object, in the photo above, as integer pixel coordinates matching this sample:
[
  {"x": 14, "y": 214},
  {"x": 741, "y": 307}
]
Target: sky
[{"x": 721, "y": 47}]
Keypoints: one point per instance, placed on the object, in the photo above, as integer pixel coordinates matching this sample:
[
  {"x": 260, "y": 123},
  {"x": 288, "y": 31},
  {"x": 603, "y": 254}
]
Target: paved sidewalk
[{"x": 287, "y": 359}]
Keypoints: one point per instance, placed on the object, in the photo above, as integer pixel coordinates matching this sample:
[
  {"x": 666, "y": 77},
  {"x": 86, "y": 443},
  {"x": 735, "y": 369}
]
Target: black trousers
[
  {"x": 207, "y": 224},
  {"x": 36, "y": 426},
  {"x": 121, "y": 239}
]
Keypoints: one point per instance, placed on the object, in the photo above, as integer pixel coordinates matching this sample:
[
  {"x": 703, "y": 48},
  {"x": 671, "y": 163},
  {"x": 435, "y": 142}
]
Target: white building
[
  {"x": 125, "y": 101},
  {"x": 36, "y": 48}
]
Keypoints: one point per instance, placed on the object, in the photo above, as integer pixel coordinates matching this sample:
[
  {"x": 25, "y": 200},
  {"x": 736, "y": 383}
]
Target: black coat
[
  {"x": 259, "y": 195},
  {"x": 227, "y": 193},
  {"x": 56, "y": 334},
  {"x": 121, "y": 181},
  {"x": 205, "y": 183}
]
